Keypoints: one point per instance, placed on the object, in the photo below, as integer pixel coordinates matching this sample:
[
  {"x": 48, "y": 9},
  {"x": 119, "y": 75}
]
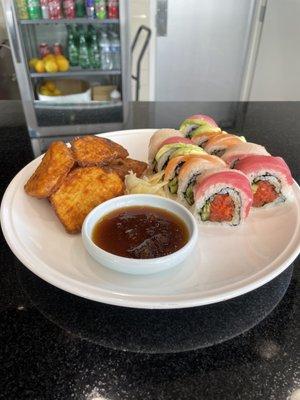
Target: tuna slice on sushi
[
  {"x": 222, "y": 197},
  {"x": 270, "y": 179}
]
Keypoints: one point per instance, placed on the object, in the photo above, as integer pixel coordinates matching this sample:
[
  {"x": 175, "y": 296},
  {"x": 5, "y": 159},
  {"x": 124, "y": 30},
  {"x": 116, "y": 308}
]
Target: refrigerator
[{"x": 46, "y": 119}]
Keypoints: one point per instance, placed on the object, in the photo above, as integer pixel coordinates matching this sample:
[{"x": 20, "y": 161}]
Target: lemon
[
  {"x": 32, "y": 62},
  {"x": 51, "y": 66},
  {"x": 49, "y": 57},
  {"x": 45, "y": 92},
  {"x": 50, "y": 86},
  {"x": 39, "y": 66},
  {"x": 56, "y": 92},
  {"x": 63, "y": 64}
]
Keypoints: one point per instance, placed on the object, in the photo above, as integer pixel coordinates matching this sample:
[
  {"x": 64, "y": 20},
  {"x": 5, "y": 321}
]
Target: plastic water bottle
[
  {"x": 106, "y": 59},
  {"x": 115, "y": 51}
]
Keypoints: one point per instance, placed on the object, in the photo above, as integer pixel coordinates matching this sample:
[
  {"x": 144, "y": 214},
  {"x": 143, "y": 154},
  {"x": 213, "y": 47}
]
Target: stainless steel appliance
[{"x": 46, "y": 120}]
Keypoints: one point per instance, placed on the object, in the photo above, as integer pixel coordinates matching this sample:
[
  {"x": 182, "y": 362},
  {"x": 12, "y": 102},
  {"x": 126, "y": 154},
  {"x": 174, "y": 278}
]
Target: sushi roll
[
  {"x": 157, "y": 139},
  {"x": 174, "y": 149},
  {"x": 172, "y": 170},
  {"x": 242, "y": 150},
  {"x": 270, "y": 179},
  {"x": 217, "y": 145},
  {"x": 223, "y": 196},
  {"x": 191, "y": 171},
  {"x": 198, "y": 123},
  {"x": 201, "y": 138}
]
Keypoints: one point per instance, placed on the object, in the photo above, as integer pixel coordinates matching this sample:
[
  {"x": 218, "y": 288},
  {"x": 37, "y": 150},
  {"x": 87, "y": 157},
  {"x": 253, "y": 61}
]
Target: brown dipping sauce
[{"x": 140, "y": 232}]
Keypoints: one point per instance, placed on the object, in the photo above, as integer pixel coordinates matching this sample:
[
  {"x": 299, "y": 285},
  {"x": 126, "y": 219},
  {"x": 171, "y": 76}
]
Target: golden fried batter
[
  {"x": 122, "y": 167},
  {"x": 81, "y": 191},
  {"x": 93, "y": 150},
  {"x": 55, "y": 165}
]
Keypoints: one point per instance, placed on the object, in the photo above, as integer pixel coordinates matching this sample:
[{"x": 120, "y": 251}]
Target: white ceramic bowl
[{"x": 138, "y": 266}]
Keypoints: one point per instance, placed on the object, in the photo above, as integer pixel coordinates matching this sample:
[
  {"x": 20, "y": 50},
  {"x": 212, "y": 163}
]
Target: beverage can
[
  {"x": 57, "y": 49},
  {"x": 69, "y": 9},
  {"x": 80, "y": 8},
  {"x": 34, "y": 9},
  {"x": 22, "y": 9},
  {"x": 100, "y": 9},
  {"x": 90, "y": 8},
  {"x": 55, "y": 9},
  {"x": 113, "y": 9},
  {"x": 43, "y": 49}
]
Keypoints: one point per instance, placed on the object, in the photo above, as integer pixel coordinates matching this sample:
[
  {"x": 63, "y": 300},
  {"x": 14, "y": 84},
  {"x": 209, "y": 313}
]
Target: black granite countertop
[{"x": 57, "y": 346}]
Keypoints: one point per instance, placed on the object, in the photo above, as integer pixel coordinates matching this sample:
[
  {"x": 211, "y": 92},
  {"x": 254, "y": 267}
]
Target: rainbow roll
[
  {"x": 270, "y": 179},
  {"x": 157, "y": 139},
  {"x": 242, "y": 150},
  {"x": 197, "y": 124},
  {"x": 172, "y": 171},
  {"x": 218, "y": 144},
  {"x": 191, "y": 171},
  {"x": 223, "y": 196}
]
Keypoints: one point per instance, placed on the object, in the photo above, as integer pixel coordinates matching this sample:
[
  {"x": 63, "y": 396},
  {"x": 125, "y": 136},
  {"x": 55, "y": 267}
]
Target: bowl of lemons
[{"x": 64, "y": 91}]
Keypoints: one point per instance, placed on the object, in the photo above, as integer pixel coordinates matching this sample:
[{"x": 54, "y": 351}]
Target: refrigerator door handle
[{"x": 13, "y": 33}]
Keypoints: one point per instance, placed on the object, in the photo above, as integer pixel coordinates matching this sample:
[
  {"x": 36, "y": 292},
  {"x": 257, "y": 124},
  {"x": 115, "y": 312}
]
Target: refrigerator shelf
[
  {"x": 68, "y": 21},
  {"x": 74, "y": 72}
]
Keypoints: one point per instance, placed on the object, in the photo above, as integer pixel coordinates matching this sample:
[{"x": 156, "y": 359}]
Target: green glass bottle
[
  {"x": 94, "y": 52},
  {"x": 84, "y": 61},
  {"x": 72, "y": 50}
]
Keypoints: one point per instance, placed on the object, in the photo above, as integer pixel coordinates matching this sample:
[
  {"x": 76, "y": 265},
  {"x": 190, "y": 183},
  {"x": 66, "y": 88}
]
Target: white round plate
[{"x": 226, "y": 262}]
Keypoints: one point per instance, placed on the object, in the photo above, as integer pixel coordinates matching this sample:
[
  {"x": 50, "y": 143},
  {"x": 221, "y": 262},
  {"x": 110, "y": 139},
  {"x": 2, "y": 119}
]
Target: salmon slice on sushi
[
  {"x": 243, "y": 150},
  {"x": 191, "y": 171},
  {"x": 201, "y": 138},
  {"x": 270, "y": 178},
  {"x": 157, "y": 139},
  {"x": 218, "y": 144},
  {"x": 222, "y": 197},
  {"x": 172, "y": 171},
  {"x": 198, "y": 123}
]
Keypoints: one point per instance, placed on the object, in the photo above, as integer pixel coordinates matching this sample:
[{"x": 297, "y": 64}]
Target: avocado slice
[
  {"x": 173, "y": 185},
  {"x": 205, "y": 211}
]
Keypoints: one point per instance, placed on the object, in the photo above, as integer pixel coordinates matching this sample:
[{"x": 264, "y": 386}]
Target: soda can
[
  {"x": 57, "y": 49},
  {"x": 43, "y": 49},
  {"x": 113, "y": 9},
  {"x": 34, "y": 9},
  {"x": 90, "y": 8},
  {"x": 69, "y": 9},
  {"x": 55, "y": 9}
]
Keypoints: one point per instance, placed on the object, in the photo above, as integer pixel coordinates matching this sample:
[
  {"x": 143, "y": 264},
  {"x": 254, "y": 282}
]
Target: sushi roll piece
[
  {"x": 172, "y": 170},
  {"x": 218, "y": 144},
  {"x": 171, "y": 150},
  {"x": 198, "y": 123},
  {"x": 270, "y": 178},
  {"x": 157, "y": 139},
  {"x": 191, "y": 171},
  {"x": 201, "y": 138},
  {"x": 242, "y": 150},
  {"x": 222, "y": 197}
]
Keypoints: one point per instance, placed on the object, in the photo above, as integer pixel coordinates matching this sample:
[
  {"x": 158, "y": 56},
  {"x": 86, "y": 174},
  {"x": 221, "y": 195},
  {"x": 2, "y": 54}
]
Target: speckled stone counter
[{"x": 49, "y": 350}]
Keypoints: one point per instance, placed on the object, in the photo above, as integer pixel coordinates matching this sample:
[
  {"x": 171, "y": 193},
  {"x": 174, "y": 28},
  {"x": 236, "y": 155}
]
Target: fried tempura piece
[
  {"x": 81, "y": 191},
  {"x": 93, "y": 150},
  {"x": 55, "y": 165},
  {"x": 122, "y": 167}
]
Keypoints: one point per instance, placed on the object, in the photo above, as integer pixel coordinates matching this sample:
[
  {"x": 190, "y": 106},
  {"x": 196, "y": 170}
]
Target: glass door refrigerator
[{"x": 72, "y": 61}]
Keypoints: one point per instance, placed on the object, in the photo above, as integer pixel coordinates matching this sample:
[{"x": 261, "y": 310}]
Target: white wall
[
  {"x": 3, "y": 33},
  {"x": 140, "y": 15},
  {"x": 277, "y": 72}
]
